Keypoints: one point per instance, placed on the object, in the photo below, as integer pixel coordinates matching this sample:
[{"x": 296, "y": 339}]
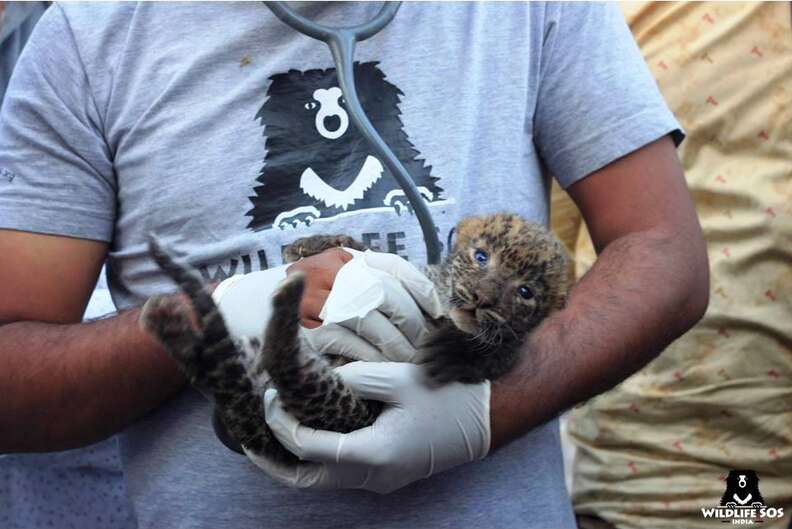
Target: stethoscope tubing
[{"x": 342, "y": 41}]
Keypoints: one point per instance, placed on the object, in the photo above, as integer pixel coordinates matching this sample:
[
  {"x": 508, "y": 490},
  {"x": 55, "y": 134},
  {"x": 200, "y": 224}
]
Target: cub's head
[{"x": 506, "y": 275}]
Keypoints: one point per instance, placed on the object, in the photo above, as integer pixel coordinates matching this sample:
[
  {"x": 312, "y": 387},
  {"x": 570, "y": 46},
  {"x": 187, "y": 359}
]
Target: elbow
[
  {"x": 699, "y": 300},
  {"x": 697, "y": 287}
]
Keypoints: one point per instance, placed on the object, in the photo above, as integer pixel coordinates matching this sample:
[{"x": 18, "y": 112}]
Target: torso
[{"x": 181, "y": 89}]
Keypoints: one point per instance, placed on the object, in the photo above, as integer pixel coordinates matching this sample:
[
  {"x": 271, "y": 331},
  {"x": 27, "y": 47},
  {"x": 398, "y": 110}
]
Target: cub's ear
[{"x": 466, "y": 230}]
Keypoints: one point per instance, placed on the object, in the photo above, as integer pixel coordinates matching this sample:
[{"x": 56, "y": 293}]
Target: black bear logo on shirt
[
  {"x": 318, "y": 165},
  {"x": 742, "y": 490}
]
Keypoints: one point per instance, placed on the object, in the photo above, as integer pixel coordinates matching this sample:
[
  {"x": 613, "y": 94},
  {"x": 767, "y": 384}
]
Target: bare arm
[
  {"x": 649, "y": 285},
  {"x": 65, "y": 383}
]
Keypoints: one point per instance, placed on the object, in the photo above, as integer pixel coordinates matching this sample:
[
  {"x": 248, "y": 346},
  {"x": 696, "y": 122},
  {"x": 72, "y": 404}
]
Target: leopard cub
[{"x": 500, "y": 279}]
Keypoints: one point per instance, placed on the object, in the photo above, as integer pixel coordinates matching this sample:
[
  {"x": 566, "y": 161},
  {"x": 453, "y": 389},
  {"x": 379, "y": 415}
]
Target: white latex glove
[
  {"x": 374, "y": 311},
  {"x": 421, "y": 431}
]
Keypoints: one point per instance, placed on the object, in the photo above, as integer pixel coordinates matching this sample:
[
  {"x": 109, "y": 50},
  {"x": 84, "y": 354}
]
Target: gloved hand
[
  {"x": 379, "y": 297},
  {"x": 421, "y": 431},
  {"x": 373, "y": 312}
]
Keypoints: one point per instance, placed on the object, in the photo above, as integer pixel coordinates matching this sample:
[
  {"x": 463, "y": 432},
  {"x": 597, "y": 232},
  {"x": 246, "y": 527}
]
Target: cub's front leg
[{"x": 450, "y": 355}]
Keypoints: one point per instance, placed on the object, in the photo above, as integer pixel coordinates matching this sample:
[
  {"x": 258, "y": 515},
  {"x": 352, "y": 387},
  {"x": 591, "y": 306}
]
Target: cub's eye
[
  {"x": 481, "y": 256},
  {"x": 342, "y": 101},
  {"x": 525, "y": 292},
  {"x": 310, "y": 105}
]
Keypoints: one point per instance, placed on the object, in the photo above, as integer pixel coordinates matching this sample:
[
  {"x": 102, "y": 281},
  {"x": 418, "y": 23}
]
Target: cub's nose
[{"x": 487, "y": 294}]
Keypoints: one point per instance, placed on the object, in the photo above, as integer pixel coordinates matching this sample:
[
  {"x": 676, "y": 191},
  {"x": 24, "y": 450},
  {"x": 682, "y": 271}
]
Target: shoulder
[
  {"x": 84, "y": 35},
  {"x": 95, "y": 15},
  {"x": 90, "y": 19},
  {"x": 93, "y": 27},
  {"x": 583, "y": 24}
]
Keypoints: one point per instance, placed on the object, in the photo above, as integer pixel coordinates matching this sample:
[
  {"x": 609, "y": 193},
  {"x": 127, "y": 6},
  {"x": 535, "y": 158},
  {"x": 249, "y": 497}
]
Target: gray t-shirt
[
  {"x": 222, "y": 130},
  {"x": 16, "y": 24}
]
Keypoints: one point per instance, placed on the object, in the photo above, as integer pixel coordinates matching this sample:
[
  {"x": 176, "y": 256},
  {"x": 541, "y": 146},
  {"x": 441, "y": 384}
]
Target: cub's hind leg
[
  {"x": 308, "y": 387},
  {"x": 205, "y": 351}
]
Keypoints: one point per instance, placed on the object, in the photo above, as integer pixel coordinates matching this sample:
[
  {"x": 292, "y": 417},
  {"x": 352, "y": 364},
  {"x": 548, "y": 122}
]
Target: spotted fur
[
  {"x": 488, "y": 318},
  {"x": 479, "y": 339},
  {"x": 316, "y": 244},
  {"x": 236, "y": 373}
]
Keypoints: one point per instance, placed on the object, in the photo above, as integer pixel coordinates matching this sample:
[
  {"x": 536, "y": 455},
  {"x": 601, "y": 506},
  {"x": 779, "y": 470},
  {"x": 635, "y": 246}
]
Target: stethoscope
[{"x": 342, "y": 41}]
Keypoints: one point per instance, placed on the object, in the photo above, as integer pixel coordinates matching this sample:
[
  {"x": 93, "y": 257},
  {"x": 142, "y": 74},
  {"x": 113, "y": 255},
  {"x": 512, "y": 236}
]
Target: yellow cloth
[
  {"x": 566, "y": 223},
  {"x": 656, "y": 449}
]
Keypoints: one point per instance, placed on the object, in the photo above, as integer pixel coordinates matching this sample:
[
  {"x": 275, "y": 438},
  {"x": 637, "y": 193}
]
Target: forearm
[
  {"x": 65, "y": 386},
  {"x": 645, "y": 290}
]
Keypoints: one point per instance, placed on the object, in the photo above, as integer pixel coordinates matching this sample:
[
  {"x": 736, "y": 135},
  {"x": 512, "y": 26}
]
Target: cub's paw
[
  {"x": 316, "y": 244},
  {"x": 167, "y": 318},
  {"x": 448, "y": 355},
  {"x": 346, "y": 241},
  {"x": 289, "y": 293}
]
